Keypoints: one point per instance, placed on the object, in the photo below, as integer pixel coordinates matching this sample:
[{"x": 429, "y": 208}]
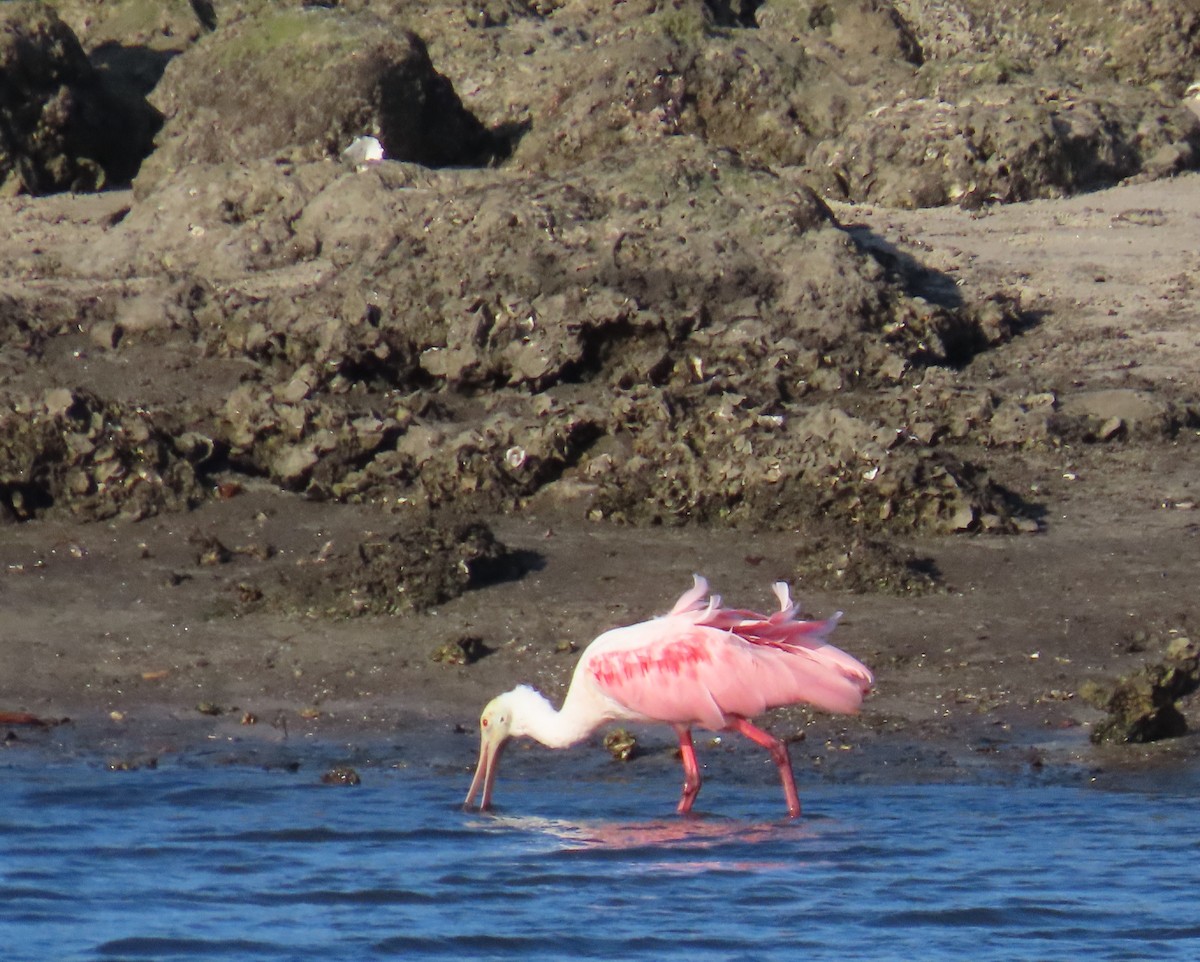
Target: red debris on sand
[{"x": 22, "y": 718}]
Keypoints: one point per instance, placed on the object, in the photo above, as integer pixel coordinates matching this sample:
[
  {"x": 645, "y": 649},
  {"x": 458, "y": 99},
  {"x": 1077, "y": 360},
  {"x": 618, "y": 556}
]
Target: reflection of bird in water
[
  {"x": 673, "y": 835},
  {"x": 701, "y": 664},
  {"x": 676, "y": 846}
]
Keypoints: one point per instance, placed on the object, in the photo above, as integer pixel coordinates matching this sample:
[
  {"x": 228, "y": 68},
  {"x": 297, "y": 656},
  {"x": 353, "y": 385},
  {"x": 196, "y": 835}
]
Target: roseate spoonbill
[{"x": 701, "y": 664}]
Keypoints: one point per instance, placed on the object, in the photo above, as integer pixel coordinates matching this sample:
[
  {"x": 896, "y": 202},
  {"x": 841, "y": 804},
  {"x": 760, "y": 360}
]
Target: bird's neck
[{"x": 555, "y": 729}]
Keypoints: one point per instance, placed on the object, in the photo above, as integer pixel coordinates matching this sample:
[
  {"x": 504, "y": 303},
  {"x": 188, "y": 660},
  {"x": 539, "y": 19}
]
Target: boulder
[
  {"x": 64, "y": 125},
  {"x": 301, "y": 85}
]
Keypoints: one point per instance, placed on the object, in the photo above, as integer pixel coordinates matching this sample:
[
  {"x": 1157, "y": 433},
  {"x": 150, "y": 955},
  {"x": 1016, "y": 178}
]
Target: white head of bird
[{"x": 522, "y": 712}]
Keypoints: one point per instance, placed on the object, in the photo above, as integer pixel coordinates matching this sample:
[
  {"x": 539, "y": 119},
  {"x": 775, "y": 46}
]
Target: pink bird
[{"x": 701, "y": 664}]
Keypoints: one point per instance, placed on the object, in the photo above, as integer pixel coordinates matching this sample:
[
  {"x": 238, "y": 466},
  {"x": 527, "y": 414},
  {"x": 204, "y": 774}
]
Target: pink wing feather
[{"x": 702, "y": 663}]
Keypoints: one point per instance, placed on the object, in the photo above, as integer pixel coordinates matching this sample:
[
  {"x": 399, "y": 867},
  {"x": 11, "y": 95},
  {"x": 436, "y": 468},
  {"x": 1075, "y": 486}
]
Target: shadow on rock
[
  {"x": 918, "y": 279},
  {"x": 66, "y": 124},
  {"x": 135, "y": 68}
]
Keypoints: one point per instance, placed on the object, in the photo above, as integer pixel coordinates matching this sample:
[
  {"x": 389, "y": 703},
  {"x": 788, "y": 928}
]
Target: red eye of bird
[{"x": 483, "y": 722}]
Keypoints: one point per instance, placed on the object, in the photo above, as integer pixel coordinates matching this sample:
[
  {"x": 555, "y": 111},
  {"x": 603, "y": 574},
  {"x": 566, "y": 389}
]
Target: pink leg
[
  {"x": 691, "y": 770},
  {"x": 779, "y": 755}
]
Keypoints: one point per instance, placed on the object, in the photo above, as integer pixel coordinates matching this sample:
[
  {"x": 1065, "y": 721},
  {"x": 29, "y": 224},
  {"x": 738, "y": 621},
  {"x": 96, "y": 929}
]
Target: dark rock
[
  {"x": 1141, "y": 707},
  {"x": 621, "y": 744},
  {"x": 341, "y": 775},
  {"x": 422, "y": 562},
  {"x": 461, "y": 651},
  {"x": 63, "y": 124},
  {"x": 71, "y": 454}
]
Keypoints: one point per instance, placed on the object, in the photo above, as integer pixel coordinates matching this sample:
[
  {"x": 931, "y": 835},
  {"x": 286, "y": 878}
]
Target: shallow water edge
[{"x": 193, "y": 860}]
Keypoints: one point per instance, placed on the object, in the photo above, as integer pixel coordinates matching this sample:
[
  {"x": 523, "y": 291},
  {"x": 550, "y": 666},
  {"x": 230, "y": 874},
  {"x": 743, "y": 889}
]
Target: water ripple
[
  {"x": 158, "y": 948},
  {"x": 226, "y": 864}
]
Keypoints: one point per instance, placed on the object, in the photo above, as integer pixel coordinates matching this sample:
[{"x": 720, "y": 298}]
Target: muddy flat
[
  {"x": 294, "y": 444},
  {"x": 124, "y": 625}
]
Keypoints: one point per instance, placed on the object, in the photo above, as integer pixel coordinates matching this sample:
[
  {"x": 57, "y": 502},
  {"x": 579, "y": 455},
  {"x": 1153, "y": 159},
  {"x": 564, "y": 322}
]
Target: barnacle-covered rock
[
  {"x": 1142, "y": 706},
  {"x": 71, "y": 454},
  {"x": 737, "y": 463},
  {"x": 465, "y": 650},
  {"x": 621, "y": 744},
  {"x": 66, "y": 125},
  {"x": 341, "y": 775},
  {"x": 830, "y": 561},
  {"x": 1004, "y": 143},
  {"x": 297, "y": 440},
  {"x": 422, "y": 561},
  {"x": 497, "y": 461}
]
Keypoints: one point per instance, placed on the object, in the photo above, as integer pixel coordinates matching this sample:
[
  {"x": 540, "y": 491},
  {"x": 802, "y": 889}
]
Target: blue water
[{"x": 238, "y": 863}]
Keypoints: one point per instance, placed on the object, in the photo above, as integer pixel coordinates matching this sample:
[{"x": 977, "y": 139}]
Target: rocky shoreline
[{"x": 640, "y": 289}]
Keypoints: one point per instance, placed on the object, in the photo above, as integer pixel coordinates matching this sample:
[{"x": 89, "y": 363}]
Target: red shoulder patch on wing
[
  {"x": 668, "y": 680},
  {"x": 666, "y": 660}
]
